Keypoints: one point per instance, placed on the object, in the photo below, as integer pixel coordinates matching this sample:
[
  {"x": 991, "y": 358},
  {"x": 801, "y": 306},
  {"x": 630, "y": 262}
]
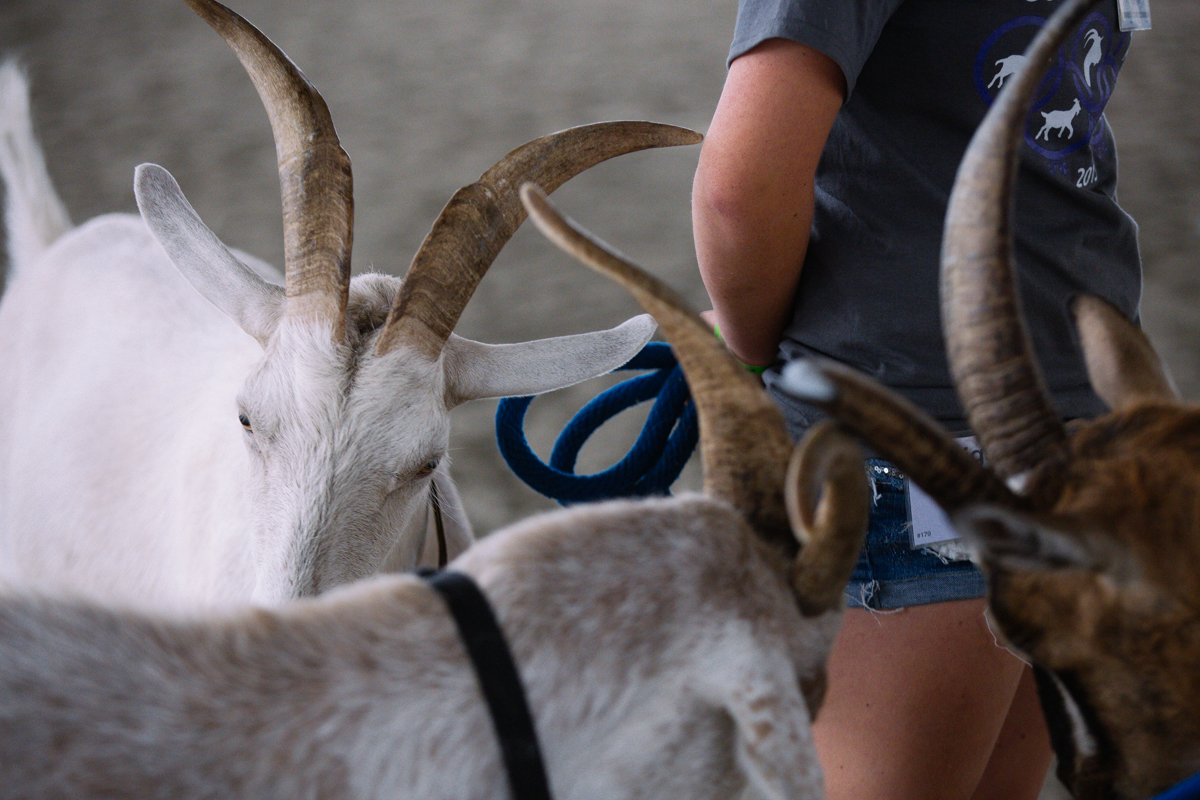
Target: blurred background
[{"x": 427, "y": 94}]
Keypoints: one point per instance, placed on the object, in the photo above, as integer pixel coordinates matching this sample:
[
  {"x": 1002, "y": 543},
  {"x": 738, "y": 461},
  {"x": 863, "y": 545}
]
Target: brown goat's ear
[
  {"x": 1121, "y": 363},
  {"x": 1017, "y": 541}
]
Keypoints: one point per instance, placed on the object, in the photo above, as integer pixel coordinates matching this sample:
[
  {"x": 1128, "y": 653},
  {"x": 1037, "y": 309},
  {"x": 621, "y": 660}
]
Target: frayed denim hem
[{"x": 916, "y": 591}]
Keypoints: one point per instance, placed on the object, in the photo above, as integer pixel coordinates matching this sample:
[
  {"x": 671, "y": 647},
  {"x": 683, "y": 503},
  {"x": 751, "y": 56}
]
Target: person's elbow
[{"x": 728, "y": 206}]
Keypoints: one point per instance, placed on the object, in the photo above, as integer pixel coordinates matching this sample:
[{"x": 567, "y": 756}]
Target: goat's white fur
[
  {"x": 659, "y": 643},
  {"x": 124, "y": 472}
]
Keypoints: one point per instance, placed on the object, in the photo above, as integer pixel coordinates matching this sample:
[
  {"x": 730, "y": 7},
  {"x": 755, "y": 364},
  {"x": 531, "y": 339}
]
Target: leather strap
[{"x": 499, "y": 680}]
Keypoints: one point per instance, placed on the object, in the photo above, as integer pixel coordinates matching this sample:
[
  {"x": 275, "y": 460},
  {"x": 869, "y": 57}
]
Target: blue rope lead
[
  {"x": 1188, "y": 789},
  {"x": 653, "y": 463}
]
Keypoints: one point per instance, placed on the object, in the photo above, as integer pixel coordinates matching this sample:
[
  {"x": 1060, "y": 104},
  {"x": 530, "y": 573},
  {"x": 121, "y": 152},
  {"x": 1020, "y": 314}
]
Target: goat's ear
[
  {"x": 253, "y": 303},
  {"x": 475, "y": 370},
  {"x": 1121, "y": 363},
  {"x": 1017, "y": 541}
]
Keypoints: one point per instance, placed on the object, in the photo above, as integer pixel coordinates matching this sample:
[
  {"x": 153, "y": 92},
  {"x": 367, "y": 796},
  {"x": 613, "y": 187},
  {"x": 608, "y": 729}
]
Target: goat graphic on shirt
[{"x": 1066, "y": 125}]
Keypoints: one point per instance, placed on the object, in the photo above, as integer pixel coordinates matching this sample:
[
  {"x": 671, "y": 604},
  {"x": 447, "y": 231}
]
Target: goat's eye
[
  {"x": 428, "y": 468},
  {"x": 242, "y": 418}
]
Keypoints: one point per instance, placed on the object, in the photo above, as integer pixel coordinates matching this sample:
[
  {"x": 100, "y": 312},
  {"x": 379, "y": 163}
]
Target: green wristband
[{"x": 748, "y": 367}]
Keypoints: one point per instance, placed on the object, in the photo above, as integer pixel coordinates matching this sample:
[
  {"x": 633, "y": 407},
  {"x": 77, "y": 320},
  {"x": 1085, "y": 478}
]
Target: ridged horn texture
[
  {"x": 744, "y": 445},
  {"x": 828, "y": 502},
  {"x": 905, "y": 435},
  {"x": 314, "y": 173},
  {"x": 989, "y": 349},
  {"x": 482, "y": 217}
]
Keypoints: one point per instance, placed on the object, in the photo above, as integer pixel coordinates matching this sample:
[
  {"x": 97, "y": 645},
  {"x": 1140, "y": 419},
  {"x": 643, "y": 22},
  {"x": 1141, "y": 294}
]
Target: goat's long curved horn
[
  {"x": 899, "y": 431},
  {"x": 828, "y": 503},
  {"x": 482, "y": 217},
  {"x": 988, "y": 345},
  {"x": 314, "y": 173},
  {"x": 744, "y": 445}
]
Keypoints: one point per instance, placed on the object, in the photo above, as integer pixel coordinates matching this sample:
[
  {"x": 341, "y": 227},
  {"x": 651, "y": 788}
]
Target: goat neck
[
  {"x": 314, "y": 173},
  {"x": 479, "y": 219}
]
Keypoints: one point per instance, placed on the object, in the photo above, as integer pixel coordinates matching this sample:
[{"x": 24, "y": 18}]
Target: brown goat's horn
[
  {"x": 1122, "y": 364},
  {"x": 831, "y": 527},
  {"x": 314, "y": 173},
  {"x": 482, "y": 217},
  {"x": 899, "y": 431},
  {"x": 988, "y": 345},
  {"x": 744, "y": 446}
]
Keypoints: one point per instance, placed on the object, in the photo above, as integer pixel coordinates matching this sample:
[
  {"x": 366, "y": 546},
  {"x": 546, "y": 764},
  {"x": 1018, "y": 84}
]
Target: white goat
[
  {"x": 131, "y": 348},
  {"x": 668, "y": 647}
]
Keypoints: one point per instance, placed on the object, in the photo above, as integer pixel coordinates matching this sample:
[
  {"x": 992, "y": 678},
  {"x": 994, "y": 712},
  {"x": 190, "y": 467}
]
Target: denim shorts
[{"x": 890, "y": 573}]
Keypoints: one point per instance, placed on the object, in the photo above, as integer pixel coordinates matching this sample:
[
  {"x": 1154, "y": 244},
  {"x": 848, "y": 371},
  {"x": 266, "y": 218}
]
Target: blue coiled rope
[{"x": 653, "y": 463}]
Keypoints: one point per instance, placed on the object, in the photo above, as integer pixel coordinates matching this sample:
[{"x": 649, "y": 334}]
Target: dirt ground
[{"x": 426, "y": 94}]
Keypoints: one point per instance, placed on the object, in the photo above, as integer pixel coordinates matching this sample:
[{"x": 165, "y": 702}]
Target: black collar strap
[{"x": 498, "y": 678}]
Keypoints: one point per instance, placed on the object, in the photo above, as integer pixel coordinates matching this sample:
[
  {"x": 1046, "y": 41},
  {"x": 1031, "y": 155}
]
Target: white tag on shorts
[
  {"x": 1134, "y": 14},
  {"x": 929, "y": 522}
]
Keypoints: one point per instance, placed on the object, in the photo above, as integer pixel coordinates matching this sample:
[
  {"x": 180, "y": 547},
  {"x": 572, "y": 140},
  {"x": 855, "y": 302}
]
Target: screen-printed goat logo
[{"x": 1067, "y": 113}]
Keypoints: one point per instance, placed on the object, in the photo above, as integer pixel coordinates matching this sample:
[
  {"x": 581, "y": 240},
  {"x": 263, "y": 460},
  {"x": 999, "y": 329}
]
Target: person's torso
[{"x": 869, "y": 289}]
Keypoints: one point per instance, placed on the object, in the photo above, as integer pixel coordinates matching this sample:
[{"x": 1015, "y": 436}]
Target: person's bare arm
[{"x": 752, "y": 199}]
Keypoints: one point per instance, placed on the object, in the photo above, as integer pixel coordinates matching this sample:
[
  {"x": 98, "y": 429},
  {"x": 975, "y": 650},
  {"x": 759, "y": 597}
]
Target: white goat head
[
  {"x": 1090, "y": 534},
  {"x": 668, "y": 647},
  {"x": 148, "y": 493}
]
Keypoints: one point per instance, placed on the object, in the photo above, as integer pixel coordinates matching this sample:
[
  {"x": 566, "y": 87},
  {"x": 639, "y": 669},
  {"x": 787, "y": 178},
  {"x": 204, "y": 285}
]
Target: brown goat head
[{"x": 1089, "y": 532}]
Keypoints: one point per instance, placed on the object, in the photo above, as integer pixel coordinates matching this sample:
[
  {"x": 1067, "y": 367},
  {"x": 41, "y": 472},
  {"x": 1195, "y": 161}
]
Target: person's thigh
[
  {"x": 1022, "y": 755},
  {"x": 916, "y": 701}
]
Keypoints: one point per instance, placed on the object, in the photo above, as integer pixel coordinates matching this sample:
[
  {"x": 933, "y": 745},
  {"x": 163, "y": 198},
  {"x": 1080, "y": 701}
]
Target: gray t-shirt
[{"x": 920, "y": 76}]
